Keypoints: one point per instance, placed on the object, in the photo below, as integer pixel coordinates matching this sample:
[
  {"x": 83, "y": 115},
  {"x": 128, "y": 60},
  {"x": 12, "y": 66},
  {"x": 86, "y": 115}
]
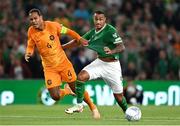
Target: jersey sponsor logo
[
  {"x": 49, "y": 82},
  {"x": 51, "y": 37}
]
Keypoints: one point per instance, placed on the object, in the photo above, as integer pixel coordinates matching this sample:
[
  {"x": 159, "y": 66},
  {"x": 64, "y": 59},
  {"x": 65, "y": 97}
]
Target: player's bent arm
[{"x": 119, "y": 48}]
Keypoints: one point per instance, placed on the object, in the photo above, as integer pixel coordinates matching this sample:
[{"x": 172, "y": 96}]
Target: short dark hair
[
  {"x": 100, "y": 12},
  {"x": 35, "y": 10}
]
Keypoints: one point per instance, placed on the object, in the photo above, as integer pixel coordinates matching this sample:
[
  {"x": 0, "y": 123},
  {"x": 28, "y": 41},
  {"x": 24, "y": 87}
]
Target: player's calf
[{"x": 54, "y": 92}]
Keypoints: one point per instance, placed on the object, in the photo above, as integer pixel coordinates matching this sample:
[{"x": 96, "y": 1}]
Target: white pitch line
[
  {"x": 105, "y": 118},
  {"x": 49, "y": 117}
]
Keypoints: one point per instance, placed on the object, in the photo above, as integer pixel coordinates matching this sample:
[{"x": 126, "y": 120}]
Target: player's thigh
[
  {"x": 68, "y": 74},
  {"x": 113, "y": 77},
  {"x": 52, "y": 78},
  {"x": 115, "y": 84},
  {"x": 94, "y": 69}
]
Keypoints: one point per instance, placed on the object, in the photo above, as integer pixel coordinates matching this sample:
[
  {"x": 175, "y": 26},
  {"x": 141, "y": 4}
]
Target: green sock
[
  {"x": 123, "y": 104},
  {"x": 80, "y": 88}
]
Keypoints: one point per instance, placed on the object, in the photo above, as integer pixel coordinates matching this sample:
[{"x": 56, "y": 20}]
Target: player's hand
[
  {"x": 83, "y": 42},
  {"x": 27, "y": 56},
  {"x": 107, "y": 50}
]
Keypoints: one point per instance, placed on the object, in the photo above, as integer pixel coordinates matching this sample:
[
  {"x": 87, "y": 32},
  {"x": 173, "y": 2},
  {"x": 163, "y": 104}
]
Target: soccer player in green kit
[{"x": 105, "y": 40}]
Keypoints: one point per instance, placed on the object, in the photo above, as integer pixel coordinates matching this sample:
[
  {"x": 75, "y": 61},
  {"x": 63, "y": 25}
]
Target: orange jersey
[{"x": 48, "y": 43}]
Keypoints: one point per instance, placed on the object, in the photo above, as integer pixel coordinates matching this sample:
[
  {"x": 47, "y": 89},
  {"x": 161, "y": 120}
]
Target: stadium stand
[{"x": 150, "y": 30}]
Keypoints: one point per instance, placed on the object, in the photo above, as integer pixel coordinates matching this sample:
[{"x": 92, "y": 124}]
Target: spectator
[
  {"x": 80, "y": 61},
  {"x": 161, "y": 68},
  {"x": 81, "y": 11},
  {"x": 146, "y": 27},
  {"x": 133, "y": 93},
  {"x": 2, "y": 74}
]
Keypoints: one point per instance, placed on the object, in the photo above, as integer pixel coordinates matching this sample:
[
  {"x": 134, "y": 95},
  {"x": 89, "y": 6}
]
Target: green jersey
[{"x": 107, "y": 36}]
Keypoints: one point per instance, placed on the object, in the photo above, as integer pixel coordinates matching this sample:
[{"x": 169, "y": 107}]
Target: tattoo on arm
[{"x": 119, "y": 48}]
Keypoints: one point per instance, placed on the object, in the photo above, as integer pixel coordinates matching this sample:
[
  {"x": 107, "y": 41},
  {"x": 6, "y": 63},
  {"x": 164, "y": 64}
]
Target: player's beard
[
  {"x": 99, "y": 26},
  {"x": 36, "y": 26}
]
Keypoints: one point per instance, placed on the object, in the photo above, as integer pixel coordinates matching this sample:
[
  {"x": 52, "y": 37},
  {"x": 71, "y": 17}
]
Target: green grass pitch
[{"x": 110, "y": 115}]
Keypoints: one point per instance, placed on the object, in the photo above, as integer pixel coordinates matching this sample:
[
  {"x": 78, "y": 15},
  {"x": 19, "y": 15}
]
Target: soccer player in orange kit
[{"x": 57, "y": 68}]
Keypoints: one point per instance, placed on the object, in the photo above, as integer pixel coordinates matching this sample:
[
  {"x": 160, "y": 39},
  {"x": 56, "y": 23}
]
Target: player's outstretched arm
[
  {"x": 75, "y": 43},
  {"x": 83, "y": 41},
  {"x": 76, "y": 36},
  {"x": 71, "y": 44}
]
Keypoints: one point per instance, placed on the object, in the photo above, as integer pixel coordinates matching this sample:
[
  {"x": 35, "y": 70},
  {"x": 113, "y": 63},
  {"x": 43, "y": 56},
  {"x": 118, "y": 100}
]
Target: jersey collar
[{"x": 96, "y": 32}]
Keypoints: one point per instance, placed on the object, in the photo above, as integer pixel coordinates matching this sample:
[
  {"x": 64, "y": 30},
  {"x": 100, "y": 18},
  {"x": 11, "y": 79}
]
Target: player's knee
[
  {"x": 80, "y": 77},
  {"x": 83, "y": 76},
  {"x": 55, "y": 97}
]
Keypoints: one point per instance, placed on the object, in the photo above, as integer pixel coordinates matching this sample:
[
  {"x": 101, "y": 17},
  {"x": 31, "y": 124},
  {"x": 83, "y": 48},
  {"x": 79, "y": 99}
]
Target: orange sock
[
  {"x": 64, "y": 92},
  {"x": 87, "y": 99}
]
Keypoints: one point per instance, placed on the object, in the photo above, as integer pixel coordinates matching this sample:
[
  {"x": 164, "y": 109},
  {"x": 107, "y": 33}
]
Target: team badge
[
  {"x": 49, "y": 82},
  {"x": 69, "y": 78},
  {"x": 51, "y": 37}
]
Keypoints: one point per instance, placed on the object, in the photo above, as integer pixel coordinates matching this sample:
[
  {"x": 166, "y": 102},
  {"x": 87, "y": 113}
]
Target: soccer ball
[{"x": 133, "y": 113}]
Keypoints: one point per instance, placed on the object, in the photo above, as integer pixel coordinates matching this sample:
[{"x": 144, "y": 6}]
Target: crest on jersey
[
  {"x": 51, "y": 37},
  {"x": 49, "y": 82}
]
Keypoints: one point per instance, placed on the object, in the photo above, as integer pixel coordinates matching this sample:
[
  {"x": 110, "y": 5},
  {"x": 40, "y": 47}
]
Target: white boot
[{"x": 76, "y": 108}]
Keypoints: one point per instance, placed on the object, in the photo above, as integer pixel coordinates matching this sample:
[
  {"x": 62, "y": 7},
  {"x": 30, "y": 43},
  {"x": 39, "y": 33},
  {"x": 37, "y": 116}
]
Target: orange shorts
[{"x": 62, "y": 73}]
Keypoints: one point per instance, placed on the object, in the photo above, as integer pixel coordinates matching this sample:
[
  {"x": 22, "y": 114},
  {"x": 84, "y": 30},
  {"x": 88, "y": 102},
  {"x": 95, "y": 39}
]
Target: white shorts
[{"x": 110, "y": 72}]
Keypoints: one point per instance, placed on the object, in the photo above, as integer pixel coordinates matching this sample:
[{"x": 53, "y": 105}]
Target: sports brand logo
[{"x": 115, "y": 35}]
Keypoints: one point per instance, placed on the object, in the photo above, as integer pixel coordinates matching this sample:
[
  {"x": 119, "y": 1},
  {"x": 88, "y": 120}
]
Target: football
[{"x": 133, "y": 113}]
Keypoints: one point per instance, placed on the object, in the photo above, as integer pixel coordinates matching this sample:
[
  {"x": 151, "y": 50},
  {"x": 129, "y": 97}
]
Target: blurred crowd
[
  {"x": 133, "y": 93},
  {"x": 150, "y": 30}
]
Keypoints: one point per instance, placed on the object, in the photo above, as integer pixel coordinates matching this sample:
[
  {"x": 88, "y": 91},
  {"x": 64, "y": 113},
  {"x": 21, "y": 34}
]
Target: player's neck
[
  {"x": 100, "y": 29},
  {"x": 42, "y": 26}
]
